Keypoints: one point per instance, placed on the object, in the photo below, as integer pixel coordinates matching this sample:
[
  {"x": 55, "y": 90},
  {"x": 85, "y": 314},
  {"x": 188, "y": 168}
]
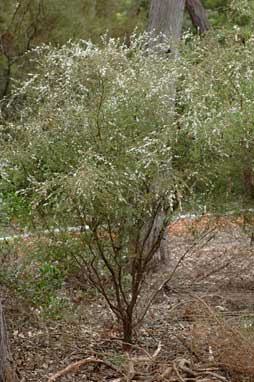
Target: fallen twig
[
  {"x": 181, "y": 379},
  {"x": 76, "y": 365},
  {"x": 131, "y": 370},
  {"x": 183, "y": 364},
  {"x": 165, "y": 374},
  {"x": 214, "y": 375}
]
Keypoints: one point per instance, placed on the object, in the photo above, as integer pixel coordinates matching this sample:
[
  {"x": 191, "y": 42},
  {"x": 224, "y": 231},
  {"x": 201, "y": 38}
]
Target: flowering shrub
[{"x": 107, "y": 137}]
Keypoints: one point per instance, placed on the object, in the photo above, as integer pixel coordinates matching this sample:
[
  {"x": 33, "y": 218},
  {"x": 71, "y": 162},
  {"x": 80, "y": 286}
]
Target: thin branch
[
  {"x": 139, "y": 263},
  {"x": 98, "y": 284},
  {"x": 151, "y": 225},
  {"x": 110, "y": 268},
  {"x": 99, "y": 109},
  {"x": 167, "y": 279},
  {"x": 116, "y": 252}
]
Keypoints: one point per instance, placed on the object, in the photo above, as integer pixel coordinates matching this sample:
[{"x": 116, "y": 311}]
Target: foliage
[
  {"x": 226, "y": 13},
  {"x": 35, "y": 278}
]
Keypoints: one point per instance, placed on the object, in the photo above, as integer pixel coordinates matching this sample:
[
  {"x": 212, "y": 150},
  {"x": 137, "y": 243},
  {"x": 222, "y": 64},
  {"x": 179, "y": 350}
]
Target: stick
[
  {"x": 76, "y": 365},
  {"x": 177, "y": 373}
]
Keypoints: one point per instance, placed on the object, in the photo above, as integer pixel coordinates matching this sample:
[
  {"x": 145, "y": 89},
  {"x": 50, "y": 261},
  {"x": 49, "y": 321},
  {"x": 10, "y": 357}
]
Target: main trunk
[
  {"x": 127, "y": 333},
  {"x": 166, "y": 18}
]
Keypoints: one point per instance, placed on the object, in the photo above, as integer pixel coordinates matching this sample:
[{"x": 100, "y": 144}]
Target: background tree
[
  {"x": 166, "y": 19},
  {"x": 198, "y": 15}
]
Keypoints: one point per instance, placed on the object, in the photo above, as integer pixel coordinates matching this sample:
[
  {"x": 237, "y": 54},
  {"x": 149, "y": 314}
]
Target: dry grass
[{"x": 216, "y": 342}]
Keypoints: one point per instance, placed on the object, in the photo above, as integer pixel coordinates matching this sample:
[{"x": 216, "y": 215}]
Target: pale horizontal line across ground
[{"x": 79, "y": 228}]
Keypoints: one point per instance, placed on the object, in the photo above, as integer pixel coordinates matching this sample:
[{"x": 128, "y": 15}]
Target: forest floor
[{"x": 199, "y": 328}]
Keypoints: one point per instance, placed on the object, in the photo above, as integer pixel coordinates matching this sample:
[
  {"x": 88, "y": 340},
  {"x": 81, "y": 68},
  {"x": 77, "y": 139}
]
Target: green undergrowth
[{"x": 40, "y": 281}]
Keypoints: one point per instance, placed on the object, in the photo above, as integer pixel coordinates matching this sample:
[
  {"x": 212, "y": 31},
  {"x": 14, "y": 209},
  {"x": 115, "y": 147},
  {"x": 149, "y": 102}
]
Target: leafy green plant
[{"x": 38, "y": 284}]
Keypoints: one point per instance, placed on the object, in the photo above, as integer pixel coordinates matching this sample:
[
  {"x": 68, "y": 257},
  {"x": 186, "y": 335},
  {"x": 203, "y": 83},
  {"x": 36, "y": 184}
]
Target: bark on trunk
[
  {"x": 248, "y": 181},
  {"x": 198, "y": 15},
  {"x": 7, "y": 369},
  {"x": 166, "y": 18},
  {"x": 127, "y": 333}
]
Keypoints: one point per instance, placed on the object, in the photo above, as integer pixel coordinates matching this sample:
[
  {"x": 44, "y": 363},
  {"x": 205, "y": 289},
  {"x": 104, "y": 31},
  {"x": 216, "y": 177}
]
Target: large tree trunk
[
  {"x": 7, "y": 369},
  {"x": 198, "y": 15},
  {"x": 166, "y": 18}
]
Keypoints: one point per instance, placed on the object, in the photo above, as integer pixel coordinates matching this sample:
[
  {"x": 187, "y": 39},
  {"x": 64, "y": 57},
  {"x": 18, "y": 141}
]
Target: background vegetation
[{"x": 28, "y": 23}]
